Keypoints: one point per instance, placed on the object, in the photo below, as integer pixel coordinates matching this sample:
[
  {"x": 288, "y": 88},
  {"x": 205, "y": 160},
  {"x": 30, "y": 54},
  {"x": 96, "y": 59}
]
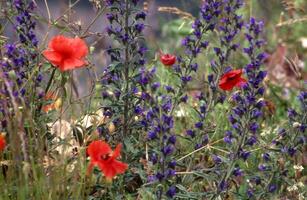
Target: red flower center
[{"x": 105, "y": 157}]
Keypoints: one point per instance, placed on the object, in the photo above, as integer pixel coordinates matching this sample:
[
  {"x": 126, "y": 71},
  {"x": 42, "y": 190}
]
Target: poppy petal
[
  {"x": 56, "y": 41},
  {"x": 116, "y": 152},
  {"x": 226, "y": 86},
  {"x": 71, "y": 63},
  {"x": 97, "y": 149},
  {"x": 60, "y": 43},
  {"x": 54, "y": 57},
  {"x": 234, "y": 73},
  {"x": 120, "y": 167},
  {"x": 108, "y": 171},
  {"x": 80, "y": 48},
  {"x": 48, "y": 108},
  {"x": 90, "y": 168},
  {"x": 223, "y": 80},
  {"x": 2, "y": 142},
  {"x": 112, "y": 168}
]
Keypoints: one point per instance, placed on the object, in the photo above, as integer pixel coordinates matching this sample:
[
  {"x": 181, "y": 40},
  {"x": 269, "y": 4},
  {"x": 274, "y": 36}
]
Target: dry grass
[{"x": 176, "y": 11}]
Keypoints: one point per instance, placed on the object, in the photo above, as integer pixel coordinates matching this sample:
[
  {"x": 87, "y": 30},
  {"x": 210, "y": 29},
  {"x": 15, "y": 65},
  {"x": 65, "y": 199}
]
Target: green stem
[
  {"x": 47, "y": 89},
  {"x": 126, "y": 75}
]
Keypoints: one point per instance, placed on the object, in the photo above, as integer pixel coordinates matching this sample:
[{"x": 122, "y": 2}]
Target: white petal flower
[
  {"x": 304, "y": 42},
  {"x": 298, "y": 168}
]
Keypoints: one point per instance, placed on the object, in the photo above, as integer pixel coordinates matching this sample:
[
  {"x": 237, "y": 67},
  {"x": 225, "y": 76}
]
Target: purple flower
[
  {"x": 167, "y": 150},
  {"x": 172, "y": 139},
  {"x": 266, "y": 156},
  {"x": 138, "y": 110},
  {"x": 257, "y": 180},
  {"x": 199, "y": 125},
  {"x": 292, "y": 113},
  {"x": 260, "y": 104},
  {"x": 140, "y": 15},
  {"x": 151, "y": 135},
  {"x": 151, "y": 179},
  {"x": 172, "y": 164},
  {"x": 251, "y": 140},
  {"x": 169, "y": 88},
  {"x": 142, "y": 50},
  {"x": 262, "y": 167},
  {"x": 250, "y": 193},
  {"x": 170, "y": 173},
  {"x": 110, "y": 2},
  {"x": 154, "y": 158},
  {"x": 244, "y": 154},
  {"x": 190, "y": 133},
  {"x": 171, "y": 192},
  {"x": 254, "y": 127},
  {"x": 256, "y": 113},
  {"x": 155, "y": 86},
  {"x": 203, "y": 108},
  {"x": 185, "y": 41},
  {"x": 216, "y": 159},
  {"x": 139, "y": 27},
  {"x": 272, "y": 188},
  {"x": 291, "y": 151},
  {"x": 237, "y": 172},
  {"x": 135, "y": 2},
  {"x": 227, "y": 139},
  {"x": 166, "y": 106},
  {"x": 204, "y": 44},
  {"x": 197, "y": 146},
  {"x": 184, "y": 99},
  {"x": 205, "y": 139},
  {"x": 159, "y": 176},
  {"x": 223, "y": 185},
  {"x": 186, "y": 79},
  {"x": 110, "y": 17},
  {"x": 210, "y": 78}
]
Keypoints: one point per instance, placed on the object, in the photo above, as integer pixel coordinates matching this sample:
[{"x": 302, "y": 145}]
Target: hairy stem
[{"x": 126, "y": 75}]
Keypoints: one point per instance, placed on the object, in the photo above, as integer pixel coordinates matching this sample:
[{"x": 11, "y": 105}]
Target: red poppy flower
[
  {"x": 2, "y": 142},
  {"x": 66, "y": 53},
  {"x": 102, "y": 156},
  {"x": 167, "y": 59},
  {"x": 232, "y": 79}
]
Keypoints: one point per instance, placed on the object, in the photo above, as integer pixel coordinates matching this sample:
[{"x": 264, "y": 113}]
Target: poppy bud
[{"x": 168, "y": 59}]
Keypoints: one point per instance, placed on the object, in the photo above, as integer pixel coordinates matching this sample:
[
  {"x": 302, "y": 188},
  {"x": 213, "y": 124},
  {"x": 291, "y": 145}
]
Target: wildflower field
[{"x": 153, "y": 99}]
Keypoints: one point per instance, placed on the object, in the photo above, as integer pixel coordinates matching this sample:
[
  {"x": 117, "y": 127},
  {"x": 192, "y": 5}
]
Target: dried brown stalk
[
  {"x": 292, "y": 21},
  {"x": 176, "y": 11}
]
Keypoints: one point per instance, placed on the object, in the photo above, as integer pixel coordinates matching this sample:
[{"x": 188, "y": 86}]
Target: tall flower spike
[
  {"x": 19, "y": 57},
  {"x": 245, "y": 114}
]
